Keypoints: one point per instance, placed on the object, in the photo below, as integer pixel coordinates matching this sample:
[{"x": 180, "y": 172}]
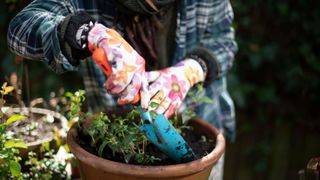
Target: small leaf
[
  {"x": 2, "y": 128},
  {"x": 153, "y": 114},
  {"x": 8, "y": 89},
  {"x": 14, "y": 118},
  {"x": 69, "y": 94},
  {"x": 127, "y": 158},
  {"x": 4, "y": 85},
  {"x": 206, "y": 99},
  {"x": 154, "y": 104},
  {"x": 46, "y": 176},
  {"x": 57, "y": 136},
  {"x": 101, "y": 148},
  {"x": 45, "y": 147},
  {"x": 203, "y": 138},
  {"x": 66, "y": 147},
  {"x": 15, "y": 168},
  {"x": 200, "y": 87},
  {"x": 18, "y": 144}
]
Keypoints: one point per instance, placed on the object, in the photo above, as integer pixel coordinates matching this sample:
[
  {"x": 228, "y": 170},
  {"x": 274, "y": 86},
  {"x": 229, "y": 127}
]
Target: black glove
[{"x": 73, "y": 47}]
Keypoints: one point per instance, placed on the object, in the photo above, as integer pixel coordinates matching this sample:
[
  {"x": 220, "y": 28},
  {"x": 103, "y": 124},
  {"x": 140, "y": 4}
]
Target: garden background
[{"x": 275, "y": 84}]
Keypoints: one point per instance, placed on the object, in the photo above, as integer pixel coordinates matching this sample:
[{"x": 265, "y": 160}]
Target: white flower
[{"x": 50, "y": 118}]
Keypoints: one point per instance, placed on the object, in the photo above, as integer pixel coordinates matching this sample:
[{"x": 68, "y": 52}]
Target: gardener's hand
[
  {"x": 170, "y": 86},
  {"x": 128, "y": 67}
]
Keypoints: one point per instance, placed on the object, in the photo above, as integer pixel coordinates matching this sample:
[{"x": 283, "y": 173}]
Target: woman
[{"x": 163, "y": 40}]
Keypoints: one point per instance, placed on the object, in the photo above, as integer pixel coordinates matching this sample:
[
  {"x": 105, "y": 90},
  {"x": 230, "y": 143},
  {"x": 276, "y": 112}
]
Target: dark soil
[{"x": 200, "y": 145}]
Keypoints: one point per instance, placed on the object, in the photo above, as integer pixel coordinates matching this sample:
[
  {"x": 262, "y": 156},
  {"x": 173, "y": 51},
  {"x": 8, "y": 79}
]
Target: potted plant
[
  {"x": 45, "y": 165},
  {"x": 111, "y": 146},
  {"x": 41, "y": 125},
  {"x": 9, "y": 159}
]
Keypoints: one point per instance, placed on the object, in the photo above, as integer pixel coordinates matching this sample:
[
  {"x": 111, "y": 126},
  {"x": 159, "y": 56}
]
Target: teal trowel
[
  {"x": 162, "y": 134},
  {"x": 159, "y": 130}
]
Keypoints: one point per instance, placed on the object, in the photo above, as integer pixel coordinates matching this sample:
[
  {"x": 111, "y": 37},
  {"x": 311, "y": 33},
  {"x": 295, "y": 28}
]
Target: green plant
[
  {"x": 194, "y": 97},
  {"x": 9, "y": 159},
  {"x": 117, "y": 134},
  {"x": 11, "y": 164},
  {"x": 74, "y": 103},
  {"x": 47, "y": 167},
  {"x": 119, "y": 137}
]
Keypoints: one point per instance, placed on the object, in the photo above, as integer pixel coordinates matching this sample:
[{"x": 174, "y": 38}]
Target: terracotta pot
[{"x": 93, "y": 167}]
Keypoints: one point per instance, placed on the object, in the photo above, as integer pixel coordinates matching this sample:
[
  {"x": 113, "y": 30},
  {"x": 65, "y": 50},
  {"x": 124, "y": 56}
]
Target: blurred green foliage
[
  {"x": 278, "y": 60},
  {"x": 275, "y": 85}
]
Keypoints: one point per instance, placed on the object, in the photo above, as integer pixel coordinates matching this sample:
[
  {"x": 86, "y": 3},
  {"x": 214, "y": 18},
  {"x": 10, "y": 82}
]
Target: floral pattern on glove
[
  {"x": 177, "y": 88},
  {"x": 128, "y": 67},
  {"x": 169, "y": 86}
]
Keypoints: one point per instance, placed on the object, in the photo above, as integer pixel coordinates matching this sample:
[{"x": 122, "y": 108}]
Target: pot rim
[
  {"x": 175, "y": 170},
  {"x": 43, "y": 111},
  {"x": 27, "y": 110}
]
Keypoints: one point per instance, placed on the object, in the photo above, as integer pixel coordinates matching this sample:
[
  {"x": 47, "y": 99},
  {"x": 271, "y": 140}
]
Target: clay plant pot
[
  {"x": 93, "y": 167},
  {"x": 35, "y": 145}
]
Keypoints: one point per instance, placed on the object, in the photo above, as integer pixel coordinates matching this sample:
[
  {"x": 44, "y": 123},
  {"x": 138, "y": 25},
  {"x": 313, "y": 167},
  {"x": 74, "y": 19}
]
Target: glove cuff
[
  {"x": 73, "y": 32},
  {"x": 192, "y": 70},
  {"x": 201, "y": 62},
  {"x": 96, "y": 35},
  {"x": 208, "y": 61}
]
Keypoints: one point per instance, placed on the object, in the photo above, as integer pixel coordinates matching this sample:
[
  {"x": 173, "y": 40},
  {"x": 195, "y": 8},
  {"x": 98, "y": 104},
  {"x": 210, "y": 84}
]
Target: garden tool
[{"x": 159, "y": 130}]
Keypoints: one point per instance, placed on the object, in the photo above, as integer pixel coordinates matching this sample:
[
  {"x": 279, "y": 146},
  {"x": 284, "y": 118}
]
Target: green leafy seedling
[
  {"x": 9, "y": 153},
  {"x": 116, "y": 135}
]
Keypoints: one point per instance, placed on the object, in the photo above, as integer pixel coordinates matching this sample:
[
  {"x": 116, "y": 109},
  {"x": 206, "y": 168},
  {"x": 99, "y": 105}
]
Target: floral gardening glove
[
  {"x": 127, "y": 77},
  {"x": 170, "y": 86}
]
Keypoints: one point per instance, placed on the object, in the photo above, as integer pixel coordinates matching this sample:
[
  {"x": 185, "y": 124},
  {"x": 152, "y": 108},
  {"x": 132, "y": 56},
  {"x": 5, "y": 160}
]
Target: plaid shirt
[{"x": 33, "y": 34}]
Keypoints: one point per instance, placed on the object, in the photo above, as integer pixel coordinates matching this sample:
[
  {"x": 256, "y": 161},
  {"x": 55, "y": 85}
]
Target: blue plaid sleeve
[
  {"x": 32, "y": 33},
  {"x": 218, "y": 34}
]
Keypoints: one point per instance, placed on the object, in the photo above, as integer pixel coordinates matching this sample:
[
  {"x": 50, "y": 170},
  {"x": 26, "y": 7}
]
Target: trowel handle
[
  {"x": 145, "y": 115},
  {"x": 101, "y": 59}
]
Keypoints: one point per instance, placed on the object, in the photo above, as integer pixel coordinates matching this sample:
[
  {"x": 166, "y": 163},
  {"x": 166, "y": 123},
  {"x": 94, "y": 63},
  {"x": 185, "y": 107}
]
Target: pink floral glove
[
  {"x": 170, "y": 86},
  {"x": 127, "y": 77}
]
